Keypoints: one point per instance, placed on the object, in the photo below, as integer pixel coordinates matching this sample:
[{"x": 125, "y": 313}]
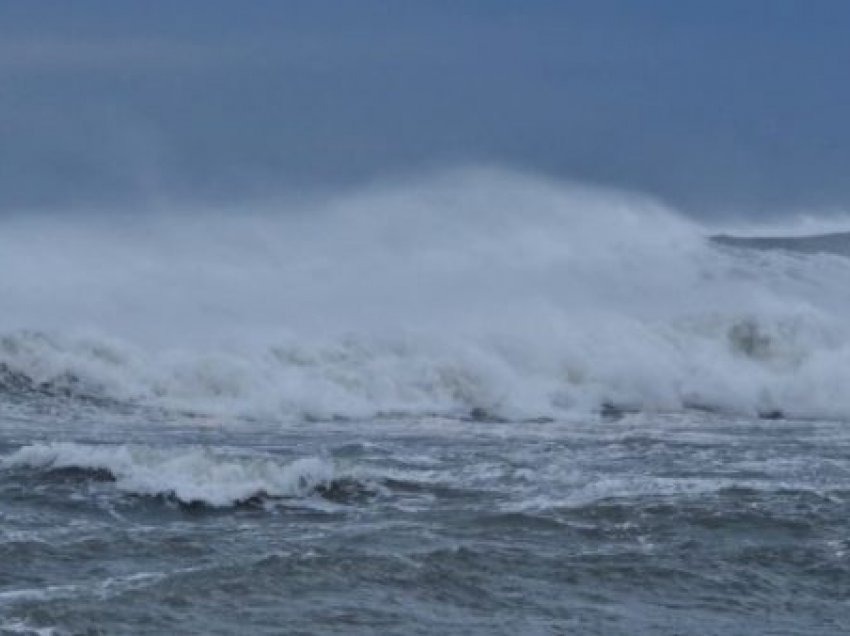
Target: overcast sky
[{"x": 716, "y": 106}]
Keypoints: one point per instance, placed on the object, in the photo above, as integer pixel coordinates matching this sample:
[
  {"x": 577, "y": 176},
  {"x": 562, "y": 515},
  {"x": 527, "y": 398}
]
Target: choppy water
[
  {"x": 680, "y": 523},
  {"x": 479, "y": 404}
]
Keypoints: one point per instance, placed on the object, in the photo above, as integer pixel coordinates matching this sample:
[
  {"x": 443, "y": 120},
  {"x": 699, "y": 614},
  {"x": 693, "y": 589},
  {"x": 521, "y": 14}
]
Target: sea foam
[
  {"x": 477, "y": 293},
  {"x": 189, "y": 475}
]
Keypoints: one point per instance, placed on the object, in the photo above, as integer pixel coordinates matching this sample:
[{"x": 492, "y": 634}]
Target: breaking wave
[
  {"x": 479, "y": 293},
  {"x": 188, "y": 475}
]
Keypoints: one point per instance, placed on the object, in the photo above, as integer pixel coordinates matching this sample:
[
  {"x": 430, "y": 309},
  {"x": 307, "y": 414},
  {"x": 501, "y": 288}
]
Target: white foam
[
  {"x": 473, "y": 291},
  {"x": 617, "y": 490},
  {"x": 192, "y": 474},
  {"x": 17, "y": 626}
]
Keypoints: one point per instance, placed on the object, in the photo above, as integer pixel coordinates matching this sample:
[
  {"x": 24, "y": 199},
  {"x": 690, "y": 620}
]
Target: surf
[{"x": 478, "y": 293}]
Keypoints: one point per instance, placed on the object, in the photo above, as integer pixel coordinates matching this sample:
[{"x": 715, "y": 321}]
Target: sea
[{"x": 477, "y": 402}]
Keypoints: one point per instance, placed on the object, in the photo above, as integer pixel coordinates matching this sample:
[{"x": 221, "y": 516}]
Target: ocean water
[{"x": 476, "y": 403}]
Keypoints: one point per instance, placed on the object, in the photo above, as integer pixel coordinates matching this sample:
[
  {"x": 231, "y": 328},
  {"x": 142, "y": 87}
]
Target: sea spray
[{"x": 474, "y": 293}]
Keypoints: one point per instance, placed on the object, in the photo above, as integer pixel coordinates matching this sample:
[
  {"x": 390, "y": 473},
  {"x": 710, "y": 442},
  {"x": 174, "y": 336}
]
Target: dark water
[
  {"x": 835, "y": 243},
  {"x": 648, "y": 524}
]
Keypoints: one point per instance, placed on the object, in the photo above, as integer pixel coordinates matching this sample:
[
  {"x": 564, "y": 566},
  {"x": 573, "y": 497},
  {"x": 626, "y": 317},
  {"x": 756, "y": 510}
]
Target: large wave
[{"x": 476, "y": 293}]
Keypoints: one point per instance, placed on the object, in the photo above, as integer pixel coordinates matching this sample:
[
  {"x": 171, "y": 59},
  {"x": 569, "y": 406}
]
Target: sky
[{"x": 717, "y": 107}]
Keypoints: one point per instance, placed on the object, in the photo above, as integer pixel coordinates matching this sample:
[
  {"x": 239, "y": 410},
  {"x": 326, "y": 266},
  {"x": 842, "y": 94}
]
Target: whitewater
[
  {"x": 478, "y": 292},
  {"x": 476, "y": 402}
]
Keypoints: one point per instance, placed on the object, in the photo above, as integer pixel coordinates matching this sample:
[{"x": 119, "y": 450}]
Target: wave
[
  {"x": 473, "y": 294},
  {"x": 832, "y": 243},
  {"x": 189, "y": 475}
]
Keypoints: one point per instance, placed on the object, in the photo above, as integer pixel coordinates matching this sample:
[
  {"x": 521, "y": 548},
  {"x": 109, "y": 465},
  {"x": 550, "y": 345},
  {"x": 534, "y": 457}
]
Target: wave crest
[
  {"x": 479, "y": 293},
  {"x": 189, "y": 475},
  {"x": 797, "y": 366}
]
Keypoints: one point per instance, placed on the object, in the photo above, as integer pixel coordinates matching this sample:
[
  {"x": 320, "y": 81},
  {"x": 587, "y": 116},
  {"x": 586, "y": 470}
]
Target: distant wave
[
  {"x": 833, "y": 243},
  {"x": 479, "y": 294}
]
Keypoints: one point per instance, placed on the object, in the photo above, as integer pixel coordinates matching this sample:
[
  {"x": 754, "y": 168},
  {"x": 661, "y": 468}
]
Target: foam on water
[
  {"x": 190, "y": 475},
  {"x": 477, "y": 292},
  {"x": 22, "y": 627}
]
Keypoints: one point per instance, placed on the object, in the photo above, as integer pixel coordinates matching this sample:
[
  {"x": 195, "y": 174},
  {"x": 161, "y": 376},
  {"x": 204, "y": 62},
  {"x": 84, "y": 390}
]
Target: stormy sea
[{"x": 474, "y": 403}]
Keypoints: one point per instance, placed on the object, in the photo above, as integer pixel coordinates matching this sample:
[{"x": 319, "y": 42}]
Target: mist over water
[{"x": 468, "y": 292}]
